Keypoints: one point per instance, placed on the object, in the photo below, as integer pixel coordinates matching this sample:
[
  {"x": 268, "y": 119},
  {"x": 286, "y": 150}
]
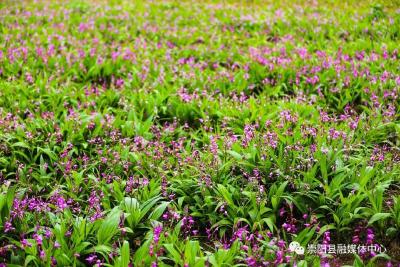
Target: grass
[{"x": 199, "y": 134}]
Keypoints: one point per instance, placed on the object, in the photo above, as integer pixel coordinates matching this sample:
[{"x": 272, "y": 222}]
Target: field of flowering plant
[{"x": 258, "y": 133}]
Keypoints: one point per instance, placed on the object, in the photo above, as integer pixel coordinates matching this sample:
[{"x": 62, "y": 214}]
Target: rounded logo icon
[
  {"x": 299, "y": 250},
  {"x": 296, "y": 247}
]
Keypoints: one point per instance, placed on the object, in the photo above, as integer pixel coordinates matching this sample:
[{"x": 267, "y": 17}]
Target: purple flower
[
  {"x": 25, "y": 243},
  {"x": 42, "y": 254},
  {"x": 250, "y": 261},
  {"x": 57, "y": 245},
  {"x": 8, "y": 226},
  {"x": 91, "y": 259},
  {"x": 156, "y": 232},
  {"x": 38, "y": 238},
  {"x": 48, "y": 234}
]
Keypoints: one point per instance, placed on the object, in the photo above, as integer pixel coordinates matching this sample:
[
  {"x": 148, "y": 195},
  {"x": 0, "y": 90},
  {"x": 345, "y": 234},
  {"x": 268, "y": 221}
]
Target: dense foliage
[{"x": 198, "y": 134}]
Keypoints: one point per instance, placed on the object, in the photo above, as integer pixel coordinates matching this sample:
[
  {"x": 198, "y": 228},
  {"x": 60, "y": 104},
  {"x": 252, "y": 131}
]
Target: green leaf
[
  {"x": 234, "y": 154},
  {"x": 146, "y": 206},
  {"x": 109, "y": 226},
  {"x": 132, "y": 207},
  {"x": 270, "y": 223},
  {"x": 225, "y": 194},
  {"x": 176, "y": 256},
  {"x": 141, "y": 257},
  {"x": 21, "y": 144},
  {"x": 124, "y": 258},
  {"x": 158, "y": 211},
  {"x": 29, "y": 259},
  {"x": 378, "y": 217}
]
